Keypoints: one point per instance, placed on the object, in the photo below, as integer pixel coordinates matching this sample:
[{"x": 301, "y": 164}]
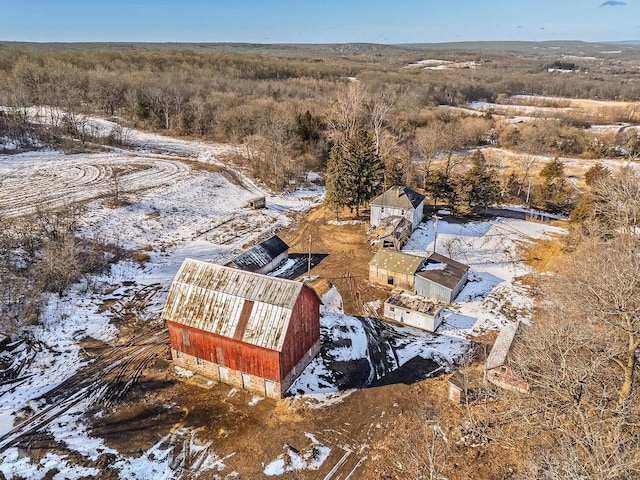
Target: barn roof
[
  {"x": 260, "y": 255},
  {"x": 399, "y": 197},
  {"x": 396, "y": 261},
  {"x": 498, "y": 355},
  {"x": 443, "y": 270},
  {"x": 246, "y": 306}
]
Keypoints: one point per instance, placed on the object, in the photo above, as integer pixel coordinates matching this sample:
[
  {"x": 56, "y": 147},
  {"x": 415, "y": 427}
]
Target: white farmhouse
[{"x": 398, "y": 202}]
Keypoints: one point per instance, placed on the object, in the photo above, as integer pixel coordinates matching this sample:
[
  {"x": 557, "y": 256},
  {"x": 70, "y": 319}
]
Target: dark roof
[
  {"x": 249, "y": 307},
  {"x": 260, "y": 255},
  {"x": 443, "y": 270},
  {"x": 458, "y": 379},
  {"x": 400, "y": 197}
]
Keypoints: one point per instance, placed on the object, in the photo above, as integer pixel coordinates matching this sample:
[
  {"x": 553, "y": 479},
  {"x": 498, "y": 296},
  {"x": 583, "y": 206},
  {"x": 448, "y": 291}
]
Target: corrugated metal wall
[
  {"x": 225, "y": 351},
  {"x": 303, "y": 332},
  {"x": 428, "y": 289}
]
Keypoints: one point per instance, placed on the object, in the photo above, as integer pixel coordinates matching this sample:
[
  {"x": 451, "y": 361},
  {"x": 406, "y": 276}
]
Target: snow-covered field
[
  {"x": 175, "y": 211},
  {"x": 172, "y": 211},
  {"x": 493, "y": 296}
]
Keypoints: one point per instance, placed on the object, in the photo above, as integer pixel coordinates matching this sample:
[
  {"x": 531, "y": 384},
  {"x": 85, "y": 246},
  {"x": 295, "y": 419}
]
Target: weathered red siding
[
  {"x": 225, "y": 351},
  {"x": 303, "y": 331}
]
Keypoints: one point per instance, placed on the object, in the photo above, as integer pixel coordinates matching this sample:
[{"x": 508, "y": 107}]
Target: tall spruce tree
[
  {"x": 482, "y": 181},
  {"x": 337, "y": 196},
  {"x": 355, "y": 173},
  {"x": 554, "y": 191}
]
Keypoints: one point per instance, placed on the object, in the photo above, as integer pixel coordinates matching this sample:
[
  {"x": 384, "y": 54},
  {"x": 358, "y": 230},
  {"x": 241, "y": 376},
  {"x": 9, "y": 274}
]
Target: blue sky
[{"x": 318, "y": 21}]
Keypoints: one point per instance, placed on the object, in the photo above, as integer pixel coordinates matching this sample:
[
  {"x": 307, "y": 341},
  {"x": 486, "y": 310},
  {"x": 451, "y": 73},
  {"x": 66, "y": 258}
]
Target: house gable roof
[
  {"x": 396, "y": 261},
  {"x": 443, "y": 270},
  {"x": 260, "y": 255},
  {"x": 255, "y": 309},
  {"x": 399, "y": 197}
]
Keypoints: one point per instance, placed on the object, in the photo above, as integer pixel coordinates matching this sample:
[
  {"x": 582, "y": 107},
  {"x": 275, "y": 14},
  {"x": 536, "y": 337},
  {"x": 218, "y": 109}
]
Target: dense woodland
[
  {"x": 298, "y": 111},
  {"x": 287, "y": 107}
]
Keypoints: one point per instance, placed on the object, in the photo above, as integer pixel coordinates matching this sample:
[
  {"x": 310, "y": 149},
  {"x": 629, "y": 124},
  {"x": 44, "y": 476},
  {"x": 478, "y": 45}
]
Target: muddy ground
[{"x": 248, "y": 433}]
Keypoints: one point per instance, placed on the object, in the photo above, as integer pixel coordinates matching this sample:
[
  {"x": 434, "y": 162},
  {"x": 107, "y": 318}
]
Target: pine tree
[
  {"x": 355, "y": 173},
  {"x": 337, "y": 196},
  {"x": 482, "y": 181},
  {"x": 554, "y": 192},
  {"x": 364, "y": 171}
]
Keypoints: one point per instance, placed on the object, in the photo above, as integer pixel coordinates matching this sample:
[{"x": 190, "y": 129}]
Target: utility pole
[
  {"x": 309, "y": 259},
  {"x": 435, "y": 230}
]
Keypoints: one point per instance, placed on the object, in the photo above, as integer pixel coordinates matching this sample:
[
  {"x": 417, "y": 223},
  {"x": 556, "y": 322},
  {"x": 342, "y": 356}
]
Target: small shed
[
  {"x": 248, "y": 330},
  {"x": 394, "y": 269},
  {"x": 263, "y": 257},
  {"x": 458, "y": 387},
  {"x": 257, "y": 202},
  {"x": 398, "y": 202},
  {"x": 414, "y": 311},
  {"x": 394, "y": 232},
  {"x": 496, "y": 369},
  {"x": 441, "y": 278}
]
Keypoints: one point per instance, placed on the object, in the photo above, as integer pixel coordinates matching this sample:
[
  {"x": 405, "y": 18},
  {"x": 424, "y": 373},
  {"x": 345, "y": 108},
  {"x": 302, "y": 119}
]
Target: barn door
[
  {"x": 270, "y": 388},
  {"x": 224, "y": 374},
  {"x": 246, "y": 381}
]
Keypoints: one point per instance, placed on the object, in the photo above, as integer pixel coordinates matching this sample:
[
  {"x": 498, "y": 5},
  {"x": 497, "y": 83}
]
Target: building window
[
  {"x": 199, "y": 361},
  {"x": 389, "y": 280},
  {"x": 178, "y": 354}
]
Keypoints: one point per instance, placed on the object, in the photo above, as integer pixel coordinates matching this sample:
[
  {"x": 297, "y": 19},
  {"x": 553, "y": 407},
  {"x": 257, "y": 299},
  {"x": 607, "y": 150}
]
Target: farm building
[
  {"x": 257, "y": 202},
  {"x": 414, "y": 311},
  {"x": 264, "y": 257},
  {"x": 248, "y": 330},
  {"x": 398, "y": 202},
  {"x": 394, "y": 232},
  {"x": 441, "y": 278},
  {"x": 495, "y": 367},
  {"x": 395, "y": 269}
]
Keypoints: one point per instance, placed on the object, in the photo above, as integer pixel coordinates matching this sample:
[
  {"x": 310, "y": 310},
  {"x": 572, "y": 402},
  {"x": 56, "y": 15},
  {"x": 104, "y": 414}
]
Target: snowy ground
[
  {"x": 172, "y": 211},
  {"x": 175, "y": 211},
  {"x": 493, "y": 296}
]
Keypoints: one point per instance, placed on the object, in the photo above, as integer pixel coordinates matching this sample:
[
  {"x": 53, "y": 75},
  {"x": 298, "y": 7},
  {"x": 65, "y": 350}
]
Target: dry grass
[{"x": 543, "y": 255}]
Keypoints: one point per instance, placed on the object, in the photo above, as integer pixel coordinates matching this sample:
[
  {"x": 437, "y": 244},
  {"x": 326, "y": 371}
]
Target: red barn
[{"x": 248, "y": 330}]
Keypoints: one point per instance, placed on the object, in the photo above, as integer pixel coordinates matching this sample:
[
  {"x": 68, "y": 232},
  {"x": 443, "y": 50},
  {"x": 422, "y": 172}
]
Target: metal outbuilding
[
  {"x": 414, "y": 311},
  {"x": 441, "y": 278},
  {"x": 263, "y": 257},
  {"x": 245, "y": 329},
  {"x": 395, "y": 269}
]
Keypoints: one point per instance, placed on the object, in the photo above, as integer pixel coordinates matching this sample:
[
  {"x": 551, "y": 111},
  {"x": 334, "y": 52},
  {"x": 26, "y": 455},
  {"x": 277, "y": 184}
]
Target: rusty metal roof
[
  {"x": 396, "y": 262},
  {"x": 399, "y": 197},
  {"x": 415, "y": 303},
  {"x": 498, "y": 355},
  {"x": 253, "y": 308},
  {"x": 443, "y": 270}
]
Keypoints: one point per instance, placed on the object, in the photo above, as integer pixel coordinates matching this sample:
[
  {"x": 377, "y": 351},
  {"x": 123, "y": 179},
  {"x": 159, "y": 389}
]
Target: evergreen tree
[
  {"x": 354, "y": 173},
  {"x": 364, "y": 171},
  {"x": 337, "y": 196},
  {"x": 595, "y": 174},
  {"x": 554, "y": 192},
  {"x": 482, "y": 182}
]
